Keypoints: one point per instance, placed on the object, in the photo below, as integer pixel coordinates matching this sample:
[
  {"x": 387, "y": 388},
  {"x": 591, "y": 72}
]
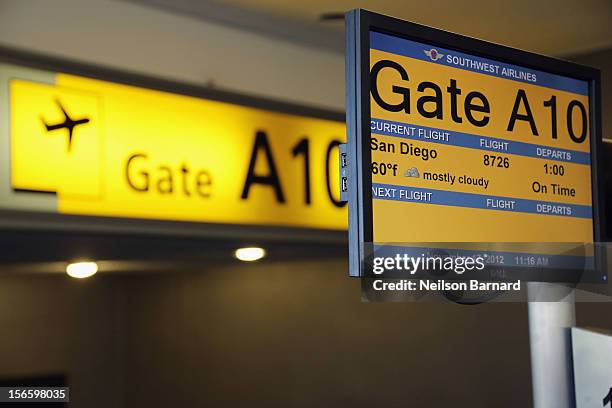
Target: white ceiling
[{"x": 553, "y": 27}]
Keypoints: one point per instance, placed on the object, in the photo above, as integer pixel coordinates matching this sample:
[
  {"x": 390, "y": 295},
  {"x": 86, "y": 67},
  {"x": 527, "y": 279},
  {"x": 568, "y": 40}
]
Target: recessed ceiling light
[
  {"x": 82, "y": 270},
  {"x": 250, "y": 254}
]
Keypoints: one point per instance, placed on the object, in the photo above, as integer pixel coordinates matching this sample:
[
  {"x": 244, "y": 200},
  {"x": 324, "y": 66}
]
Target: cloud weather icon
[{"x": 412, "y": 172}]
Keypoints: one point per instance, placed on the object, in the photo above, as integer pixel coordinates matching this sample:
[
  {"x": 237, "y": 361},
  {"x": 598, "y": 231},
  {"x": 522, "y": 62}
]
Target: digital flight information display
[
  {"x": 476, "y": 151},
  {"x": 470, "y": 149}
]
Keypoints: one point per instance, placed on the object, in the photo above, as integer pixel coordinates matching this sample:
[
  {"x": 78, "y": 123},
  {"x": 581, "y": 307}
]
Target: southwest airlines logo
[
  {"x": 433, "y": 54},
  {"x": 56, "y": 140}
]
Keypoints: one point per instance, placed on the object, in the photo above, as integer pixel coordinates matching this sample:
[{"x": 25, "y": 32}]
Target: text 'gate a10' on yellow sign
[
  {"x": 109, "y": 149},
  {"x": 492, "y": 143},
  {"x": 455, "y": 140}
]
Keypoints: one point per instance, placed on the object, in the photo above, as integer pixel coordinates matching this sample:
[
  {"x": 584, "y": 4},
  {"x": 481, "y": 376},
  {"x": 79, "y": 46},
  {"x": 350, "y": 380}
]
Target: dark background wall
[{"x": 279, "y": 334}]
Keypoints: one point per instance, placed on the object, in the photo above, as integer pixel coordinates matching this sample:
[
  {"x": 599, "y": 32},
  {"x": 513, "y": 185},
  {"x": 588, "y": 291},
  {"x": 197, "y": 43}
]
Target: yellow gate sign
[
  {"x": 455, "y": 140},
  {"x": 115, "y": 150}
]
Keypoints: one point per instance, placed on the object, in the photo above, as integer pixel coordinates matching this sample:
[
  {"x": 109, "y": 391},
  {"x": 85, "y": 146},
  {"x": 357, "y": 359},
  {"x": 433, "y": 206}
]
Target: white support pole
[{"x": 550, "y": 343}]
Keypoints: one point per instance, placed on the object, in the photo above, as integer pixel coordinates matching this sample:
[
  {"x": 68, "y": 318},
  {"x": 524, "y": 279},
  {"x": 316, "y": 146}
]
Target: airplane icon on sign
[{"x": 68, "y": 124}]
